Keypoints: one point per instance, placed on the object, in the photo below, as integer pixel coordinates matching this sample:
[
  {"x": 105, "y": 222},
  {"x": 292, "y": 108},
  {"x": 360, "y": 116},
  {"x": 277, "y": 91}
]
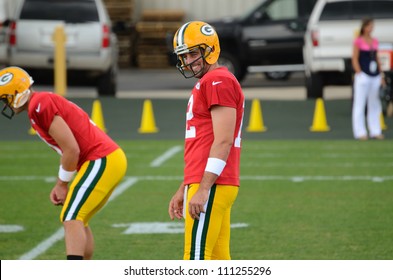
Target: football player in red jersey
[
  {"x": 91, "y": 163},
  {"x": 212, "y": 144}
]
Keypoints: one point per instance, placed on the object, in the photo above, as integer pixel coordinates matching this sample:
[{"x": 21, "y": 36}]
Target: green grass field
[{"x": 302, "y": 199}]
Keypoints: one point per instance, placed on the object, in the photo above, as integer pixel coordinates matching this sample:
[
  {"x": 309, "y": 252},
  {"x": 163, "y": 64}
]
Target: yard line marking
[
  {"x": 59, "y": 234},
  {"x": 297, "y": 178},
  {"x": 160, "y": 227},
  {"x": 162, "y": 178},
  {"x": 43, "y": 246},
  {"x": 318, "y": 178},
  {"x": 165, "y": 156},
  {"x": 322, "y": 165},
  {"x": 22, "y": 156},
  {"x": 27, "y": 178},
  {"x": 11, "y": 228},
  {"x": 123, "y": 187}
]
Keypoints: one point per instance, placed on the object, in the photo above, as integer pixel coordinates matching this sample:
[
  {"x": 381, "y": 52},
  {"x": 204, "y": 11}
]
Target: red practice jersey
[
  {"x": 216, "y": 88},
  {"x": 93, "y": 142}
]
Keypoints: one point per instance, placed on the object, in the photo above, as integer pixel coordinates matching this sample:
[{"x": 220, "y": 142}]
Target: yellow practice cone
[
  {"x": 32, "y": 131},
  {"x": 319, "y": 123},
  {"x": 389, "y": 110},
  {"x": 256, "y": 121},
  {"x": 148, "y": 124},
  {"x": 97, "y": 116},
  {"x": 383, "y": 124}
]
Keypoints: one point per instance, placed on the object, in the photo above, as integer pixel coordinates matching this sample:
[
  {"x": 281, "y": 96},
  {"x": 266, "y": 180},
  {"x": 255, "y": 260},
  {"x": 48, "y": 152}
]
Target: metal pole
[{"x": 60, "y": 73}]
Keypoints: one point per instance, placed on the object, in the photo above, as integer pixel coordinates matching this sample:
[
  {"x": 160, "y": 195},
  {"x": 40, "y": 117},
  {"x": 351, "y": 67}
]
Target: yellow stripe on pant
[
  {"x": 92, "y": 186},
  {"x": 208, "y": 238}
]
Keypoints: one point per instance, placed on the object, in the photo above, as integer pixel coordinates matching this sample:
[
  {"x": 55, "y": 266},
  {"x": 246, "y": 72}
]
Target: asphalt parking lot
[
  {"x": 169, "y": 83},
  {"x": 286, "y": 113}
]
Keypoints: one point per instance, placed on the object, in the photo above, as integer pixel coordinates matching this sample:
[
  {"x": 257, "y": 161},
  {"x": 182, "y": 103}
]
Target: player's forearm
[
  {"x": 208, "y": 180},
  {"x": 69, "y": 159}
]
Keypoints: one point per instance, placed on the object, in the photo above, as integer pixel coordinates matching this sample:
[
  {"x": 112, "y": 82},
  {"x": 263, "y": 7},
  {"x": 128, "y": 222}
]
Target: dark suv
[{"x": 268, "y": 39}]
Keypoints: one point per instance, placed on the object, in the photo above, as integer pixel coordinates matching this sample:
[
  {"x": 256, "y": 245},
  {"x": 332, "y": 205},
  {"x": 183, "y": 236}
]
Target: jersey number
[{"x": 191, "y": 131}]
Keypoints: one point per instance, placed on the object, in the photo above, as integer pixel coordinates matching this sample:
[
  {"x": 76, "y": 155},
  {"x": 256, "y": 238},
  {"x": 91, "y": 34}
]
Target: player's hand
[
  {"x": 197, "y": 203},
  {"x": 175, "y": 209},
  {"x": 59, "y": 193}
]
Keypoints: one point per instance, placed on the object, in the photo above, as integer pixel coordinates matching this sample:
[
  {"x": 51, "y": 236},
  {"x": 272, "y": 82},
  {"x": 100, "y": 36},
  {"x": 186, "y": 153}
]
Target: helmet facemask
[
  {"x": 14, "y": 101},
  {"x": 7, "y": 109},
  {"x": 186, "y": 69}
]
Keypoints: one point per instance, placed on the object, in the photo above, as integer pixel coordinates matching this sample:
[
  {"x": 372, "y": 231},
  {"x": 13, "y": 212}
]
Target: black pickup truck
[{"x": 268, "y": 39}]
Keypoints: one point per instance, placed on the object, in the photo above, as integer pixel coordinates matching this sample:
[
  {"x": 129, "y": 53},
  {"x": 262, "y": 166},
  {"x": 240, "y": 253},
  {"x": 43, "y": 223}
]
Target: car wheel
[
  {"x": 314, "y": 85},
  {"x": 232, "y": 63},
  {"x": 277, "y": 75},
  {"x": 106, "y": 84}
]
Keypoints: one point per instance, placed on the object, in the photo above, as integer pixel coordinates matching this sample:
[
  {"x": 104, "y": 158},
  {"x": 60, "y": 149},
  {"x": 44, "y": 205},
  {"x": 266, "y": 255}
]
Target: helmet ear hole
[{"x": 208, "y": 51}]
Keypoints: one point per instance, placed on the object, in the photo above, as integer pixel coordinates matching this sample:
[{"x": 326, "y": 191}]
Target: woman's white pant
[{"x": 366, "y": 92}]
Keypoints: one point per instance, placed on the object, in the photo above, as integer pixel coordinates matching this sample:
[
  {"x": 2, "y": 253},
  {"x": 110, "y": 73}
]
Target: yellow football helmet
[
  {"x": 196, "y": 35},
  {"x": 15, "y": 86}
]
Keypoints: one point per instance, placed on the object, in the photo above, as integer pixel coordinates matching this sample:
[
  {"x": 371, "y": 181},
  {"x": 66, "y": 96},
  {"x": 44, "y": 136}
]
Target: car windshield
[
  {"x": 357, "y": 10},
  {"x": 276, "y": 10},
  {"x": 250, "y": 11},
  {"x": 71, "y": 11}
]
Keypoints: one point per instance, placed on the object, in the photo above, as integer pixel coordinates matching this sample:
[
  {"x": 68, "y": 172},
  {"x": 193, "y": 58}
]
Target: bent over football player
[
  {"x": 91, "y": 163},
  {"x": 212, "y": 145}
]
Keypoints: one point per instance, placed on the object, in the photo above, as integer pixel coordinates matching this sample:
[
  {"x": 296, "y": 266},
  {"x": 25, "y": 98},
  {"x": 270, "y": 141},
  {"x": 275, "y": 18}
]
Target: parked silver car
[{"x": 91, "y": 46}]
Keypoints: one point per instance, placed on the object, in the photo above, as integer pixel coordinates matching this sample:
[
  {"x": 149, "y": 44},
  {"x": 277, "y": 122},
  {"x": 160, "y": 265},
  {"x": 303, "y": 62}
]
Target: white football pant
[{"x": 366, "y": 92}]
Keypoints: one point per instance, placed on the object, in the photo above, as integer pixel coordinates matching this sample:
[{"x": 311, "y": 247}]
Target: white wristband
[
  {"x": 64, "y": 175},
  {"x": 215, "y": 165}
]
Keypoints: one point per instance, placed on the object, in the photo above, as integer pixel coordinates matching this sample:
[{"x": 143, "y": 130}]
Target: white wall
[{"x": 199, "y": 9}]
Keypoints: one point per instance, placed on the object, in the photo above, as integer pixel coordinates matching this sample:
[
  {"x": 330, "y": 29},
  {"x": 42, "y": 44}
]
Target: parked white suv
[
  {"x": 3, "y": 32},
  {"x": 328, "y": 40},
  {"x": 91, "y": 46}
]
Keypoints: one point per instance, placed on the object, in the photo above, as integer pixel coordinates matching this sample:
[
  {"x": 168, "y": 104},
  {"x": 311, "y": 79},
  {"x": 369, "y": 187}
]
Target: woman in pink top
[{"x": 367, "y": 80}]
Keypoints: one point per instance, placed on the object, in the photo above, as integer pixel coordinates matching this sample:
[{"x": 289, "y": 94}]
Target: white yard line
[
  {"x": 26, "y": 178},
  {"x": 245, "y": 178},
  {"x": 44, "y": 245},
  {"x": 317, "y": 178},
  {"x": 165, "y": 156}
]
